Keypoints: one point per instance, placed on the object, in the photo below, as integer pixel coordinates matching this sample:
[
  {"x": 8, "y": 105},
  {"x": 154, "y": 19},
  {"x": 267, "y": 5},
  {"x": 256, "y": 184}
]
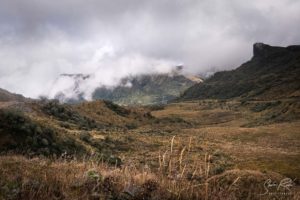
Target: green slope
[
  {"x": 146, "y": 89},
  {"x": 272, "y": 73}
]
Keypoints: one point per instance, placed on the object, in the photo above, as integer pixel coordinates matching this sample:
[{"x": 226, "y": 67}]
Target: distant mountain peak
[
  {"x": 76, "y": 76},
  {"x": 134, "y": 89},
  {"x": 261, "y": 50},
  {"x": 146, "y": 89}
]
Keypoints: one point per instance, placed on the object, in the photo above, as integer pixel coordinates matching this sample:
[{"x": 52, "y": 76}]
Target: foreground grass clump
[
  {"x": 37, "y": 178},
  {"x": 175, "y": 177}
]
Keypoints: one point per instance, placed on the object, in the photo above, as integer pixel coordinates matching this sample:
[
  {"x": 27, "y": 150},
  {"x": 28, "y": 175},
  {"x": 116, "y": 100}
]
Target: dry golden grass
[
  {"x": 191, "y": 150},
  {"x": 219, "y": 125},
  {"x": 98, "y": 111},
  {"x": 176, "y": 177}
]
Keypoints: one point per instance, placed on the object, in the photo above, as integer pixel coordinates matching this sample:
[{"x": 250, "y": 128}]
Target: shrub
[
  {"x": 157, "y": 107},
  {"x": 85, "y": 136},
  {"x": 65, "y": 125},
  {"x": 68, "y": 115},
  {"x": 264, "y": 106},
  {"x": 117, "y": 109},
  {"x": 25, "y": 132},
  {"x": 30, "y": 137},
  {"x": 131, "y": 125}
]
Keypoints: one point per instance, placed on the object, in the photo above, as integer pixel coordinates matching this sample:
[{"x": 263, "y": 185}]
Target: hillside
[
  {"x": 47, "y": 127},
  {"x": 272, "y": 73},
  {"x": 146, "y": 89},
  {"x": 132, "y": 90},
  {"x": 6, "y": 96}
]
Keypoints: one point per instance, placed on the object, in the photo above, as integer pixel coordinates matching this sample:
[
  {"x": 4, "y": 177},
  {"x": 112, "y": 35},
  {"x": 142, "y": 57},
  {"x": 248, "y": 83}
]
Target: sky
[{"x": 111, "y": 39}]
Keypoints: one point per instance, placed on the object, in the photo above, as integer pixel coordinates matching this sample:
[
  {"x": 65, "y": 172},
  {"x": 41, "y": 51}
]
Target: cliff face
[{"x": 272, "y": 73}]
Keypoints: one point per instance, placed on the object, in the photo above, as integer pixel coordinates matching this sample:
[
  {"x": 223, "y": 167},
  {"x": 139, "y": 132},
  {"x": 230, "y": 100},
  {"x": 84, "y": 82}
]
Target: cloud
[{"x": 39, "y": 39}]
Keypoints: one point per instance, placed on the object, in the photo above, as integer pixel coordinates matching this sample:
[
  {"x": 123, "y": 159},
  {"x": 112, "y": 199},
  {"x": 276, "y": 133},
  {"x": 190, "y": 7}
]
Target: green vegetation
[
  {"x": 21, "y": 134},
  {"x": 146, "y": 90},
  {"x": 117, "y": 109},
  {"x": 66, "y": 114},
  {"x": 268, "y": 76},
  {"x": 264, "y": 106},
  {"x": 27, "y": 135}
]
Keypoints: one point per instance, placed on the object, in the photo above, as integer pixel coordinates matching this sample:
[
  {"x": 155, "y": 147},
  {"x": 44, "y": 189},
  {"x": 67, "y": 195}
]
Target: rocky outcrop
[{"x": 263, "y": 51}]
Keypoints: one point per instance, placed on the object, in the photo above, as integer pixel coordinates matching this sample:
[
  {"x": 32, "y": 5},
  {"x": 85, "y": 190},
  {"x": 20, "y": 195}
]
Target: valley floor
[{"x": 226, "y": 129}]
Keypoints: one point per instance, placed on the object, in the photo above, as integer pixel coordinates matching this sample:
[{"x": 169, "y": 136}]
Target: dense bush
[
  {"x": 156, "y": 107},
  {"x": 264, "y": 106},
  {"x": 66, "y": 114},
  {"x": 131, "y": 125},
  {"x": 171, "y": 120},
  {"x": 27, "y": 136},
  {"x": 85, "y": 136},
  {"x": 117, "y": 109}
]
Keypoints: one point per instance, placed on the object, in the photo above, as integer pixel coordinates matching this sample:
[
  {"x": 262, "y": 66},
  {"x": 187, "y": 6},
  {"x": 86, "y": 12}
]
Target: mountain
[
  {"x": 8, "y": 99},
  {"x": 144, "y": 89},
  {"x": 6, "y": 96},
  {"x": 272, "y": 73}
]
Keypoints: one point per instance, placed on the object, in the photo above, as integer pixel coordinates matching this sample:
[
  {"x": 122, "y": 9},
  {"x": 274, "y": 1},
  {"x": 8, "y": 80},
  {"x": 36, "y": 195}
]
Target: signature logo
[{"x": 278, "y": 188}]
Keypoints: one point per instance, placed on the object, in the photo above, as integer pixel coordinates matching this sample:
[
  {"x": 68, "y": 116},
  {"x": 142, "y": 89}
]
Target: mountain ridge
[
  {"x": 144, "y": 89},
  {"x": 271, "y": 73},
  {"x": 6, "y": 96}
]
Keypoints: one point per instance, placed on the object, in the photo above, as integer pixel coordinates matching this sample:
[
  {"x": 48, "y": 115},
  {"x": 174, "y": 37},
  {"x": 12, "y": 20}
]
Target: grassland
[{"x": 208, "y": 149}]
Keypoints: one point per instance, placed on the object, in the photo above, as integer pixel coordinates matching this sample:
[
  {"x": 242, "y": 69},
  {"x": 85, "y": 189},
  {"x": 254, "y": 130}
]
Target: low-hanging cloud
[{"x": 40, "y": 39}]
